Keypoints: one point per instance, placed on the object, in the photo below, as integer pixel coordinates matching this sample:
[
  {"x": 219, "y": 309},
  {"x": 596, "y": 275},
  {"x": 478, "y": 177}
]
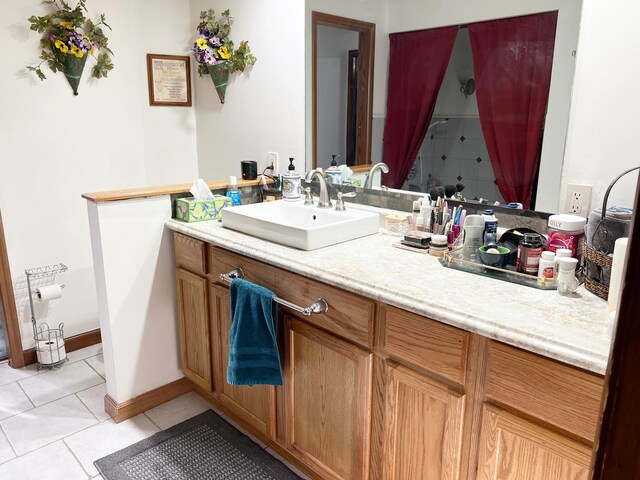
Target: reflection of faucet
[
  {"x": 324, "y": 201},
  {"x": 378, "y": 166}
]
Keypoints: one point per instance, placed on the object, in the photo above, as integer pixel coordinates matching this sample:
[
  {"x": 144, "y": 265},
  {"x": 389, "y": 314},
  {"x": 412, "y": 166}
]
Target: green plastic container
[{"x": 191, "y": 210}]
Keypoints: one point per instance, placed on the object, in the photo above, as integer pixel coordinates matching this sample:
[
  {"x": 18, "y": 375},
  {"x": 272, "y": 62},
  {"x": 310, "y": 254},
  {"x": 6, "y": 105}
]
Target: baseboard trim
[
  {"x": 135, "y": 406},
  {"x": 71, "y": 344}
]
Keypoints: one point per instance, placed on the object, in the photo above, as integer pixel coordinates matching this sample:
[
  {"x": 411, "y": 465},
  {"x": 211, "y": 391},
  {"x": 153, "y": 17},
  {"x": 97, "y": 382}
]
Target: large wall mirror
[{"x": 469, "y": 94}]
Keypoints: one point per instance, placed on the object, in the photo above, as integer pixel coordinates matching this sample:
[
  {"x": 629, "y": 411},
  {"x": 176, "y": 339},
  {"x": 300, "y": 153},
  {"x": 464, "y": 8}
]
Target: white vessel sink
[{"x": 296, "y": 225}]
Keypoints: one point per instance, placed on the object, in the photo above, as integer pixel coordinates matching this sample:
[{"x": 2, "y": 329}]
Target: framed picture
[{"x": 169, "y": 80}]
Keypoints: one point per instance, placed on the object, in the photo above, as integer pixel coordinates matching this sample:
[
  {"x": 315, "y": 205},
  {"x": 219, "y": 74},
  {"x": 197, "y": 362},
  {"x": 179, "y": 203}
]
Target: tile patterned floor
[{"x": 53, "y": 425}]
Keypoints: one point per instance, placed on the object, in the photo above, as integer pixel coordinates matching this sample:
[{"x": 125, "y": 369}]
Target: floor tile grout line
[
  {"x": 75, "y": 458},
  {"x": 26, "y": 395},
  {"x": 151, "y": 420},
  {"x": 9, "y": 443},
  {"x": 98, "y": 422},
  {"x": 87, "y": 407},
  {"x": 51, "y": 401},
  {"x": 91, "y": 367}
]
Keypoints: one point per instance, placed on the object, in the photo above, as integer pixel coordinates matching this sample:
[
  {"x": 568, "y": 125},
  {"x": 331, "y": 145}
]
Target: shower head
[{"x": 444, "y": 120}]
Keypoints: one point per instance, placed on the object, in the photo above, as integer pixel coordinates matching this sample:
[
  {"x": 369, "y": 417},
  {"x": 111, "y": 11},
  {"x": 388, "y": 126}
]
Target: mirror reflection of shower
[{"x": 437, "y": 122}]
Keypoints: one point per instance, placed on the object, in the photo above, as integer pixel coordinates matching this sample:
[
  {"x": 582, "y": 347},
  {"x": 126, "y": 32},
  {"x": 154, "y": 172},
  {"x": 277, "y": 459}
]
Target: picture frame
[{"x": 169, "y": 78}]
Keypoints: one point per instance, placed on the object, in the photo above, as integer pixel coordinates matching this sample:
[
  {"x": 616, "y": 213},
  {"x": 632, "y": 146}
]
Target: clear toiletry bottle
[
  {"x": 490, "y": 228},
  {"x": 291, "y": 183},
  {"x": 232, "y": 191},
  {"x": 567, "y": 281}
]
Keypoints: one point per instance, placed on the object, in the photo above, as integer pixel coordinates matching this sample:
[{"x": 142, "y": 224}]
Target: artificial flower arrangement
[
  {"x": 214, "y": 50},
  {"x": 69, "y": 38}
]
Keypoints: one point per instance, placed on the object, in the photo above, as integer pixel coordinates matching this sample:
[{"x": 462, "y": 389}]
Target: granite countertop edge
[{"x": 545, "y": 345}]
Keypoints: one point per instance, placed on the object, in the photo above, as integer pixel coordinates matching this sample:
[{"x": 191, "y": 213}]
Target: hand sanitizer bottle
[{"x": 232, "y": 192}]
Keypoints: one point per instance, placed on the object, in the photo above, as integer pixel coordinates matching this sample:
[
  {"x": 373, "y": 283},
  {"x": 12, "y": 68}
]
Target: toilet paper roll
[
  {"x": 50, "y": 292},
  {"x": 48, "y": 352},
  {"x": 617, "y": 269}
]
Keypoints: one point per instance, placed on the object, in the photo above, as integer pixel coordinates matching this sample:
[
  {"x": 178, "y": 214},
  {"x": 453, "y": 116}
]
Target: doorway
[
  {"x": 10, "y": 341},
  {"x": 342, "y": 85}
]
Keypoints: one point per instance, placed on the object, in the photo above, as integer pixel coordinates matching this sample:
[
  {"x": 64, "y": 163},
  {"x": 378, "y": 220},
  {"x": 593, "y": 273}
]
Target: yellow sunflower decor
[
  {"x": 68, "y": 40},
  {"x": 215, "y": 53}
]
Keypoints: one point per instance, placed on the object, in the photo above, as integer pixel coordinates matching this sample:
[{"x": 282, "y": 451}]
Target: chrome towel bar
[{"x": 319, "y": 306}]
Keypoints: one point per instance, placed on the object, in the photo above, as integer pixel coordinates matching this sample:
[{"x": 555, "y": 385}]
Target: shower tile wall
[{"x": 455, "y": 152}]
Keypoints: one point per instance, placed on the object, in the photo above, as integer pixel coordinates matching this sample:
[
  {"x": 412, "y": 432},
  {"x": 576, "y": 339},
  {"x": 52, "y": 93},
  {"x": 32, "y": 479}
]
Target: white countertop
[{"x": 568, "y": 329}]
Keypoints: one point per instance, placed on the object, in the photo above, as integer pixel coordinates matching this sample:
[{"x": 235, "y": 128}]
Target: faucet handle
[
  {"x": 340, "y": 203},
  {"x": 308, "y": 199}
]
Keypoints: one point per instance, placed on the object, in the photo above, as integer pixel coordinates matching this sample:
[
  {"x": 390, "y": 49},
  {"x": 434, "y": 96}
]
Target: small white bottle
[
  {"x": 547, "y": 269},
  {"x": 567, "y": 281},
  {"x": 561, "y": 253}
]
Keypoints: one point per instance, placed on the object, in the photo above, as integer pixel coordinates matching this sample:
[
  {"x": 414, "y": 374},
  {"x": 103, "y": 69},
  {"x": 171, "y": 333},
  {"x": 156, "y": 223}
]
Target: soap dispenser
[
  {"x": 333, "y": 173},
  {"x": 291, "y": 183}
]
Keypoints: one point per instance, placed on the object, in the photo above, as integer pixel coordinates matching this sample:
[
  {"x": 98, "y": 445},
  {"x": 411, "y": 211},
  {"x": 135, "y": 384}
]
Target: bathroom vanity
[{"x": 414, "y": 372}]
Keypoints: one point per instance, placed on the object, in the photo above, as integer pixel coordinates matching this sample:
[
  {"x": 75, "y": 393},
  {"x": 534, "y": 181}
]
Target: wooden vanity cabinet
[
  {"x": 539, "y": 417},
  {"x": 327, "y": 401},
  {"x": 255, "y": 405},
  {"x": 375, "y": 392},
  {"x": 193, "y": 310}
]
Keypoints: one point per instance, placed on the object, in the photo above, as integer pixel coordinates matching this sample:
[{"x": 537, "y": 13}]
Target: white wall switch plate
[{"x": 578, "y": 199}]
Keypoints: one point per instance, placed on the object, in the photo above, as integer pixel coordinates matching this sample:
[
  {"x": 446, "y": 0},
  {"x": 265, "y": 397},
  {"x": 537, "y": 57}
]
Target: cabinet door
[
  {"x": 195, "y": 339},
  {"x": 423, "y": 427},
  {"x": 328, "y": 402},
  {"x": 513, "y": 448},
  {"x": 254, "y": 405}
]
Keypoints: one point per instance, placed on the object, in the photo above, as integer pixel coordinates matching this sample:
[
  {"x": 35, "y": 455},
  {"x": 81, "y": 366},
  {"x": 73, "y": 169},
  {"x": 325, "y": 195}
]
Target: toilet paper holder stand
[{"x": 50, "y": 348}]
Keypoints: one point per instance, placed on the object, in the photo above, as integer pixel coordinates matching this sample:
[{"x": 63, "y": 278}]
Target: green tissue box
[{"x": 191, "y": 210}]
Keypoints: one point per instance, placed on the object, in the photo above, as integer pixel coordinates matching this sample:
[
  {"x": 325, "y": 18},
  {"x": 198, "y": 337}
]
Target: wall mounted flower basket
[
  {"x": 215, "y": 53},
  {"x": 68, "y": 39},
  {"x": 220, "y": 76},
  {"x": 72, "y": 68}
]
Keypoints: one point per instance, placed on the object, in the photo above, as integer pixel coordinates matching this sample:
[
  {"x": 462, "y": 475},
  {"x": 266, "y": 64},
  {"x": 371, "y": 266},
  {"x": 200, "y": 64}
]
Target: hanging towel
[{"x": 253, "y": 350}]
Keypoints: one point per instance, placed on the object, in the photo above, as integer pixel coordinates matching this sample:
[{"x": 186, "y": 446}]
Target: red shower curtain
[
  {"x": 512, "y": 65},
  {"x": 417, "y": 64}
]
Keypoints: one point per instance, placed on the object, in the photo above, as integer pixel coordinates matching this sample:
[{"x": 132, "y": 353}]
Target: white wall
[
  {"x": 136, "y": 291},
  {"x": 451, "y": 101},
  {"x": 264, "y": 107},
  {"x": 603, "y": 138},
  {"x": 56, "y": 146}
]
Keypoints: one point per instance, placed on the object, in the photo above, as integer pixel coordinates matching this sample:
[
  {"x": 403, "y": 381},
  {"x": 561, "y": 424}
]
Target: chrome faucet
[
  {"x": 378, "y": 166},
  {"x": 324, "y": 201}
]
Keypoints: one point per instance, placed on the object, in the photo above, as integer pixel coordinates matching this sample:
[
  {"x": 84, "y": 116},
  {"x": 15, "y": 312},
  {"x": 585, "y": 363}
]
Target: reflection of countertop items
[{"x": 571, "y": 330}]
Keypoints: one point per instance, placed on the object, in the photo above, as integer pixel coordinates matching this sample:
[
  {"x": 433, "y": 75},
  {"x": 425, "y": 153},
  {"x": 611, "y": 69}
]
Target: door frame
[
  {"x": 366, "y": 47},
  {"x": 8, "y": 306},
  {"x": 618, "y": 441}
]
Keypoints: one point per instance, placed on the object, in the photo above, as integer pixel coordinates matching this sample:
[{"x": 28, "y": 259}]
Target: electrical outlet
[
  {"x": 272, "y": 159},
  {"x": 578, "y": 199}
]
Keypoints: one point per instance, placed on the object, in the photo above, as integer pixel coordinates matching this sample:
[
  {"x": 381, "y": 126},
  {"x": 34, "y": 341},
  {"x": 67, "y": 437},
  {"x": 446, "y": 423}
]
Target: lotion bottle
[{"x": 291, "y": 183}]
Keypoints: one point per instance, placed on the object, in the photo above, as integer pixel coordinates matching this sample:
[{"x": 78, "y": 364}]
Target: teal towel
[{"x": 253, "y": 350}]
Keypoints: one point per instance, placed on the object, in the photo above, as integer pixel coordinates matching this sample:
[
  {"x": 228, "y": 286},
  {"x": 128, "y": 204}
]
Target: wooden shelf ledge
[{"x": 143, "y": 192}]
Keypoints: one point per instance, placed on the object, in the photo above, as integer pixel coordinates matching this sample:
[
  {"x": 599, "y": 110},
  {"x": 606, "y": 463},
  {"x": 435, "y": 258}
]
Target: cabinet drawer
[
  {"x": 431, "y": 345},
  {"x": 223, "y": 261},
  {"x": 349, "y": 316},
  {"x": 550, "y": 391},
  {"x": 190, "y": 253}
]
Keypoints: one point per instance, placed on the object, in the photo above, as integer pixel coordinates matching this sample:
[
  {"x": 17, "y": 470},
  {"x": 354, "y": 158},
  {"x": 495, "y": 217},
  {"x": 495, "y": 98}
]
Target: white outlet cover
[{"x": 578, "y": 199}]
